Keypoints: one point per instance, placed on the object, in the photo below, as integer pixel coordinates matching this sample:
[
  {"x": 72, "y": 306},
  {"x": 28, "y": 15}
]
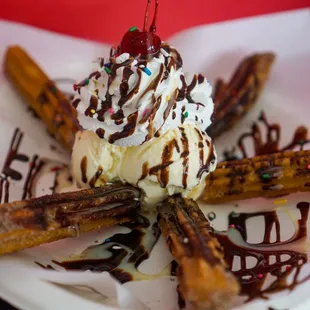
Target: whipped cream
[{"x": 131, "y": 100}]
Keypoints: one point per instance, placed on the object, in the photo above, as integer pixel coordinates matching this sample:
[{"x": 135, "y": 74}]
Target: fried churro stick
[
  {"x": 48, "y": 102},
  {"x": 234, "y": 99},
  {"x": 28, "y": 223},
  {"x": 205, "y": 282},
  {"x": 262, "y": 176}
]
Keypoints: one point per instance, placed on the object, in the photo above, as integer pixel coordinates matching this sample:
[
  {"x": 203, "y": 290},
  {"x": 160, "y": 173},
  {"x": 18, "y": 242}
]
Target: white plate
[{"x": 213, "y": 50}]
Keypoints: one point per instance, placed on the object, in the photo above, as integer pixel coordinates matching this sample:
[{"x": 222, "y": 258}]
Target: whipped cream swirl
[{"x": 131, "y": 100}]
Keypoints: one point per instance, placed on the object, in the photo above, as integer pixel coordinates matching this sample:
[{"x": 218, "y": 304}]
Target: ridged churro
[
  {"x": 29, "y": 223},
  {"x": 270, "y": 175},
  {"x": 205, "y": 282},
  {"x": 42, "y": 95},
  {"x": 234, "y": 99}
]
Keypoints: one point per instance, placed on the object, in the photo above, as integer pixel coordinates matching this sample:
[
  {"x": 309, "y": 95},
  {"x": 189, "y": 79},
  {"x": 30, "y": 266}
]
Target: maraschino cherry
[{"x": 144, "y": 43}]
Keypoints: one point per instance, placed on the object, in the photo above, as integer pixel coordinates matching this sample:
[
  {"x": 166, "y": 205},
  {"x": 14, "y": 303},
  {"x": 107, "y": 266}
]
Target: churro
[
  {"x": 29, "y": 223},
  {"x": 205, "y": 282},
  {"x": 234, "y": 99},
  {"x": 270, "y": 175},
  {"x": 42, "y": 95}
]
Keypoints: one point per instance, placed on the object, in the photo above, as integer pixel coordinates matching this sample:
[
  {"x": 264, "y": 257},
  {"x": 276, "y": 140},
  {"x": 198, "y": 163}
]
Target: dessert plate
[{"x": 213, "y": 50}]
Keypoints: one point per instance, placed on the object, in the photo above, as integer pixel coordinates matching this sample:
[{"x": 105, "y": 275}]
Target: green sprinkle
[
  {"x": 134, "y": 28},
  {"x": 107, "y": 70},
  {"x": 234, "y": 214},
  {"x": 186, "y": 114},
  {"x": 86, "y": 82},
  {"x": 301, "y": 142},
  {"x": 266, "y": 176}
]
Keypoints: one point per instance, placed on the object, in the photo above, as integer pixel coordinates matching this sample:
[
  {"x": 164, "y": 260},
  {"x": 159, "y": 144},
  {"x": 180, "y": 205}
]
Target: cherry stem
[
  {"x": 146, "y": 15},
  {"x": 153, "y": 26}
]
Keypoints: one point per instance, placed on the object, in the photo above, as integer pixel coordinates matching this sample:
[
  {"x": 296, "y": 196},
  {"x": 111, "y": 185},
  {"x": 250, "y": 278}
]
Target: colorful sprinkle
[
  {"x": 185, "y": 240},
  {"x": 289, "y": 267},
  {"x": 266, "y": 176},
  {"x": 185, "y": 114},
  {"x": 92, "y": 111},
  {"x": 280, "y": 202},
  {"x": 308, "y": 167},
  {"x": 147, "y": 71},
  {"x": 86, "y": 81},
  {"x": 211, "y": 216},
  {"x": 116, "y": 247},
  {"x": 55, "y": 169},
  {"x": 260, "y": 276},
  {"x": 58, "y": 118},
  {"x": 107, "y": 240},
  {"x": 53, "y": 89},
  {"x": 234, "y": 214},
  {"x": 145, "y": 112},
  {"x": 134, "y": 28},
  {"x": 232, "y": 226},
  {"x": 301, "y": 142},
  {"x": 107, "y": 70},
  {"x": 75, "y": 87},
  {"x": 111, "y": 111}
]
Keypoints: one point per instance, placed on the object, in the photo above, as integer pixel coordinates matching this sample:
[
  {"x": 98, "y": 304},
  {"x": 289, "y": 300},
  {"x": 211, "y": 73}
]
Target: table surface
[{"x": 106, "y": 20}]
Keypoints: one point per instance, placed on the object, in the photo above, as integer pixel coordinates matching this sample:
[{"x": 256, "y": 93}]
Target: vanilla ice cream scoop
[
  {"x": 144, "y": 123},
  {"x": 176, "y": 162}
]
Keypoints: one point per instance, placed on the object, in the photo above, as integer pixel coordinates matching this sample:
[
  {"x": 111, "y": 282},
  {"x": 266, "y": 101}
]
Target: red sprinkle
[
  {"x": 111, "y": 111},
  {"x": 55, "y": 169},
  {"x": 260, "y": 276},
  {"x": 288, "y": 268},
  {"x": 308, "y": 167},
  {"x": 75, "y": 87},
  {"x": 232, "y": 226}
]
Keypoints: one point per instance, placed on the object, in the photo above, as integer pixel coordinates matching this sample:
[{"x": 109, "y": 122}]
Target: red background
[{"x": 106, "y": 20}]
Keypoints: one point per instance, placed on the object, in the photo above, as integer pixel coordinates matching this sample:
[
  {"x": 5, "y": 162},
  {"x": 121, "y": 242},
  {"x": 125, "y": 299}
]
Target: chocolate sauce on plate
[
  {"x": 253, "y": 280},
  {"x": 120, "y": 254},
  {"x": 271, "y": 142}
]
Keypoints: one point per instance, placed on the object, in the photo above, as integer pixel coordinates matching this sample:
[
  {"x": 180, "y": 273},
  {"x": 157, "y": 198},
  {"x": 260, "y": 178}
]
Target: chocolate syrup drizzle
[
  {"x": 273, "y": 138},
  {"x": 161, "y": 171},
  {"x": 98, "y": 107},
  {"x": 253, "y": 279},
  {"x": 7, "y": 171},
  {"x": 35, "y": 167},
  {"x": 121, "y": 254}
]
